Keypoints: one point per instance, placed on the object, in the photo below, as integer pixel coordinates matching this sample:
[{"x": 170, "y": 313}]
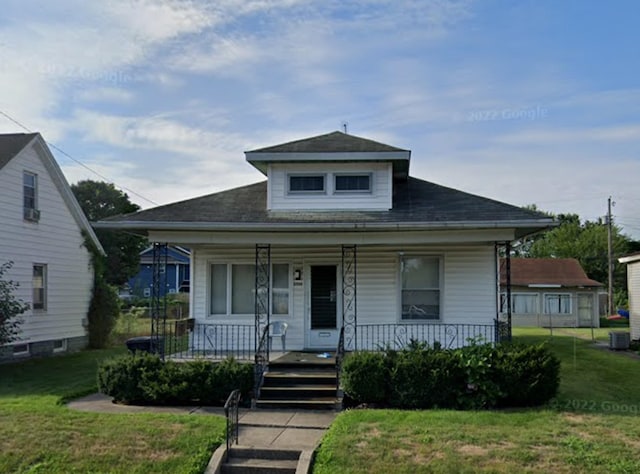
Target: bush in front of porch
[
  {"x": 145, "y": 379},
  {"x": 473, "y": 377}
]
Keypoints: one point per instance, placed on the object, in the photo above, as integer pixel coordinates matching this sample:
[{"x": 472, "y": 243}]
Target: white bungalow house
[
  {"x": 550, "y": 292},
  {"x": 342, "y": 245},
  {"x": 633, "y": 285},
  {"x": 41, "y": 232}
]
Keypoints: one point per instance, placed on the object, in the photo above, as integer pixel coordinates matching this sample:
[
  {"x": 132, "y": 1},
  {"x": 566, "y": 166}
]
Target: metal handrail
[
  {"x": 231, "y": 414},
  {"x": 339, "y": 357},
  {"x": 261, "y": 362}
]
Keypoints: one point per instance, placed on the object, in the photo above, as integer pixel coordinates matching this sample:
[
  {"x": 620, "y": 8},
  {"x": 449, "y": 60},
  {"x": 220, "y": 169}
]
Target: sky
[{"x": 526, "y": 102}]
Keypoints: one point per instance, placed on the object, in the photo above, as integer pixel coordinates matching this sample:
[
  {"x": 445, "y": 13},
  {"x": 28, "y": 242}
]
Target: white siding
[
  {"x": 633, "y": 282},
  {"x": 55, "y": 241},
  {"x": 468, "y": 287},
  {"x": 380, "y": 197}
]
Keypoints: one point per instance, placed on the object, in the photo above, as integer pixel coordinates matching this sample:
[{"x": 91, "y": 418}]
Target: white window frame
[
  {"x": 30, "y": 213},
  {"x": 26, "y": 350},
  {"x": 547, "y": 295},
  {"x": 229, "y": 288},
  {"x": 440, "y": 289},
  {"x": 503, "y": 301},
  {"x": 307, "y": 175},
  {"x": 352, "y": 191},
  {"x": 44, "y": 287},
  {"x": 62, "y": 347}
]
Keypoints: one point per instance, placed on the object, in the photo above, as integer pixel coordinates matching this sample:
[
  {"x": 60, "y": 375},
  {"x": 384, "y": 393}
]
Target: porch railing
[
  {"x": 186, "y": 339},
  {"x": 339, "y": 357},
  {"x": 231, "y": 414},
  {"x": 375, "y": 337}
]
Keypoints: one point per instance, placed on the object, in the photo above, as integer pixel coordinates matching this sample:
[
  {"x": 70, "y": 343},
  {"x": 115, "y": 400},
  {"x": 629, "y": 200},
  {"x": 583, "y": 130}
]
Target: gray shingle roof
[
  {"x": 414, "y": 201},
  {"x": 11, "y": 144},
  {"x": 334, "y": 142}
]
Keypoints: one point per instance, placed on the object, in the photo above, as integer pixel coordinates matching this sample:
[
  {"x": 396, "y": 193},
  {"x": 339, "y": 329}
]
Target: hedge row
[
  {"x": 473, "y": 377},
  {"x": 145, "y": 379}
]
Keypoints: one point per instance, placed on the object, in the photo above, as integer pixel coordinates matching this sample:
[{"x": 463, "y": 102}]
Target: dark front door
[{"x": 324, "y": 306}]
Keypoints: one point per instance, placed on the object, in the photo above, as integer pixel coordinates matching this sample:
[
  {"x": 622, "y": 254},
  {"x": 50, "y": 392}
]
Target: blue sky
[{"x": 521, "y": 101}]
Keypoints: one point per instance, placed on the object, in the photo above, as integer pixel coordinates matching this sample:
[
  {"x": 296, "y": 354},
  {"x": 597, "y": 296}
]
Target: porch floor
[{"x": 287, "y": 357}]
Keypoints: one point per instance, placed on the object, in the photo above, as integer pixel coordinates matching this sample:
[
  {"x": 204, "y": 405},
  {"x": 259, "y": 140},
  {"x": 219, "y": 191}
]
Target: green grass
[
  {"x": 592, "y": 426},
  {"x": 39, "y": 434}
]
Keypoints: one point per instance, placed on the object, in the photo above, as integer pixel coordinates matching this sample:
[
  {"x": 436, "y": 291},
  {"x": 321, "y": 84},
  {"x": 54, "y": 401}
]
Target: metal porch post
[
  {"x": 159, "y": 298},
  {"x": 349, "y": 297}
]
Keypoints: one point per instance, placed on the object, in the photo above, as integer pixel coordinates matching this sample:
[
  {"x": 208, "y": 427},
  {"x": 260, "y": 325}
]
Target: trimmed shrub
[
  {"x": 145, "y": 379},
  {"x": 364, "y": 377},
  {"x": 530, "y": 374},
  {"x": 473, "y": 377}
]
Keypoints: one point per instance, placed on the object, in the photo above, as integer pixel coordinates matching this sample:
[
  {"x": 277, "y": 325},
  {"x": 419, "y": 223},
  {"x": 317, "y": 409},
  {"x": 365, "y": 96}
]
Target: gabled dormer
[{"x": 331, "y": 172}]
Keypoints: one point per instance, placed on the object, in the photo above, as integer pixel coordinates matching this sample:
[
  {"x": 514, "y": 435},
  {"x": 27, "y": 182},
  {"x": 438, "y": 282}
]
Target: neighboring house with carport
[
  {"x": 550, "y": 292},
  {"x": 42, "y": 231},
  {"x": 343, "y": 245},
  {"x": 633, "y": 285}
]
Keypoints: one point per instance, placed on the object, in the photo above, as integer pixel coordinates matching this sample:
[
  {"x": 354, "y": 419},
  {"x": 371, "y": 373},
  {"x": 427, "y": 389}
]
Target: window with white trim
[
  {"x": 306, "y": 183},
  {"x": 59, "y": 345},
  {"x": 352, "y": 183},
  {"x": 232, "y": 288},
  {"x": 421, "y": 287},
  {"x": 521, "y": 303},
  {"x": 557, "y": 303},
  {"x": 39, "y": 285}
]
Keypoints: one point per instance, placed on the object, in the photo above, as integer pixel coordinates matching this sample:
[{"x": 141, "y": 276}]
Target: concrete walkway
[{"x": 258, "y": 427}]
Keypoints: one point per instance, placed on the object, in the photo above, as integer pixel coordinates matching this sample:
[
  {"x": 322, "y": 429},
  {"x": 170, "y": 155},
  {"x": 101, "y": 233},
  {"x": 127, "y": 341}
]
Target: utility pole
[{"x": 610, "y": 256}]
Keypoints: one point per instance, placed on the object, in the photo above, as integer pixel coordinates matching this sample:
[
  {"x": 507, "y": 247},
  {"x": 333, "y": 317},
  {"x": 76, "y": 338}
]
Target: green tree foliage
[
  {"x": 10, "y": 307},
  {"x": 100, "y": 200},
  {"x": 586, "y": 242}
]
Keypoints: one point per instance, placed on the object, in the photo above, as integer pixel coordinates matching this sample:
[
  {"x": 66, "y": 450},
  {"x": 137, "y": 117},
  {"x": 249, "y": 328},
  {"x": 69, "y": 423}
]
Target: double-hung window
[
  {"x": 304, "y": 184},
  {"x": 30, "y": 196},
  {"x": 232, "y": 288},
  {"x": 39, "y": 284},
  {"x": 352, "y": 183},
  {"x": 557, "y": 303},
  {"x": 421, "y": 287},
  {"x": 521, "y": 303}
]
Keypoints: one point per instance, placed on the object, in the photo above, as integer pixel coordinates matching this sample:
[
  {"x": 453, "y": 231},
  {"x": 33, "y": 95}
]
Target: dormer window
[
  {"x": 352, "y": 183},
  {"x": 30, "y": 196},
  {"x": 307, "y": 183}
]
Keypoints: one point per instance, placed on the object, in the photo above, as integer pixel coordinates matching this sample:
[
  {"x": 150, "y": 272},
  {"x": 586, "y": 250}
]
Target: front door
[
  {"x": 585, "y": 309},
  {"x": 323, "y": 307}
]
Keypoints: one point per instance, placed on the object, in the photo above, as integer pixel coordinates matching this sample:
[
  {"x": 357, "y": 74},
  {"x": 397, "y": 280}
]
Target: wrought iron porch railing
[
  {"x": 231, "y": 414},
  {"x": 339, "y": 357},
  {"x": 187, "y": 339},
  {"x": 503, "y": 331},
  {"x": 261, "y": 362},
  {"x": 375, "y": 337}
]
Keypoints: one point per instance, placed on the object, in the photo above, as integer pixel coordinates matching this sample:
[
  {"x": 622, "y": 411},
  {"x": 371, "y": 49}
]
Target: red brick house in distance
[{"x": 552, "y": 292}]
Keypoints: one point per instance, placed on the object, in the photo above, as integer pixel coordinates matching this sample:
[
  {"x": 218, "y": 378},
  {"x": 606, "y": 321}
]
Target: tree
[
  {"x": 10, "y": 307},
  {"x": 100, "y": 200}
]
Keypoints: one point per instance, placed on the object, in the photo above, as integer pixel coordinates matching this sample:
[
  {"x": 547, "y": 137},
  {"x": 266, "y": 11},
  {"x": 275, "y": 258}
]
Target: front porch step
[
  {"x": 323, "y": 403},
  {"x": 280, "y": 378}
]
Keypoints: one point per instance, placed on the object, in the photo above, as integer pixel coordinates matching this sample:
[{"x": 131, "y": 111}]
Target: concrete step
[
  {"x": 297, "y": 391},
  {"x": 281, "y": 378},
  {"x": 259, "y": 466},
  {"x": 318, "y": 403},
  {"x": 264, "y": 453}
]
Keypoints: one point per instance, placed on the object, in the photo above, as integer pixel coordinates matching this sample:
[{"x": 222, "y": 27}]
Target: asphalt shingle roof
[
  {"x": 334, "y": 142},
  {"x": 566, "y": 272},
  {"x": 414, "y": 201},
  {"x": 11, "y": 144}
]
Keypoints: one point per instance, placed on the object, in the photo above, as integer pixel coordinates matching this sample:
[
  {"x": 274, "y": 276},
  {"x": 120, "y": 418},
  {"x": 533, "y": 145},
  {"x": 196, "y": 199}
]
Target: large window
[
  {"x": 557, "y": 303},
  {"x": 232, "y": 289},
  {"x": 30, "y": 196},
  {"x": 352, "y": 183},
  {"x": 307, "y": 183},
  {"x": 39, "y": 284},
  {"x": 420, "y": 287},
  {"x": 521, "y": 303}
]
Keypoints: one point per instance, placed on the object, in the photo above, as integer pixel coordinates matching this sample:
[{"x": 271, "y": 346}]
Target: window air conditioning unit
[{"x": 32, "y": 214}]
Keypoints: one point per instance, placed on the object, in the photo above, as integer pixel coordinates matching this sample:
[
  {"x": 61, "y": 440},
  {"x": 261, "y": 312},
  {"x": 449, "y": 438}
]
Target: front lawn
[
  {"x": 592, "y": 426},
  {"x": 39, "y": 434}
]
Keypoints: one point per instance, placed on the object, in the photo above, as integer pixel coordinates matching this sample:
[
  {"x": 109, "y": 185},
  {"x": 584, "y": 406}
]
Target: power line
[{"x": 60, "y": 150}]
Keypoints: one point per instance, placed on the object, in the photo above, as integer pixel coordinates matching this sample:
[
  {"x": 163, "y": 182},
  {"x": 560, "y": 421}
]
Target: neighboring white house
[
  {"x": 41, "y": 227},
  {"x": 633, "y": 285},
  {"x": 551, "y": 292},
  {"x": 352, "y": 242}
]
